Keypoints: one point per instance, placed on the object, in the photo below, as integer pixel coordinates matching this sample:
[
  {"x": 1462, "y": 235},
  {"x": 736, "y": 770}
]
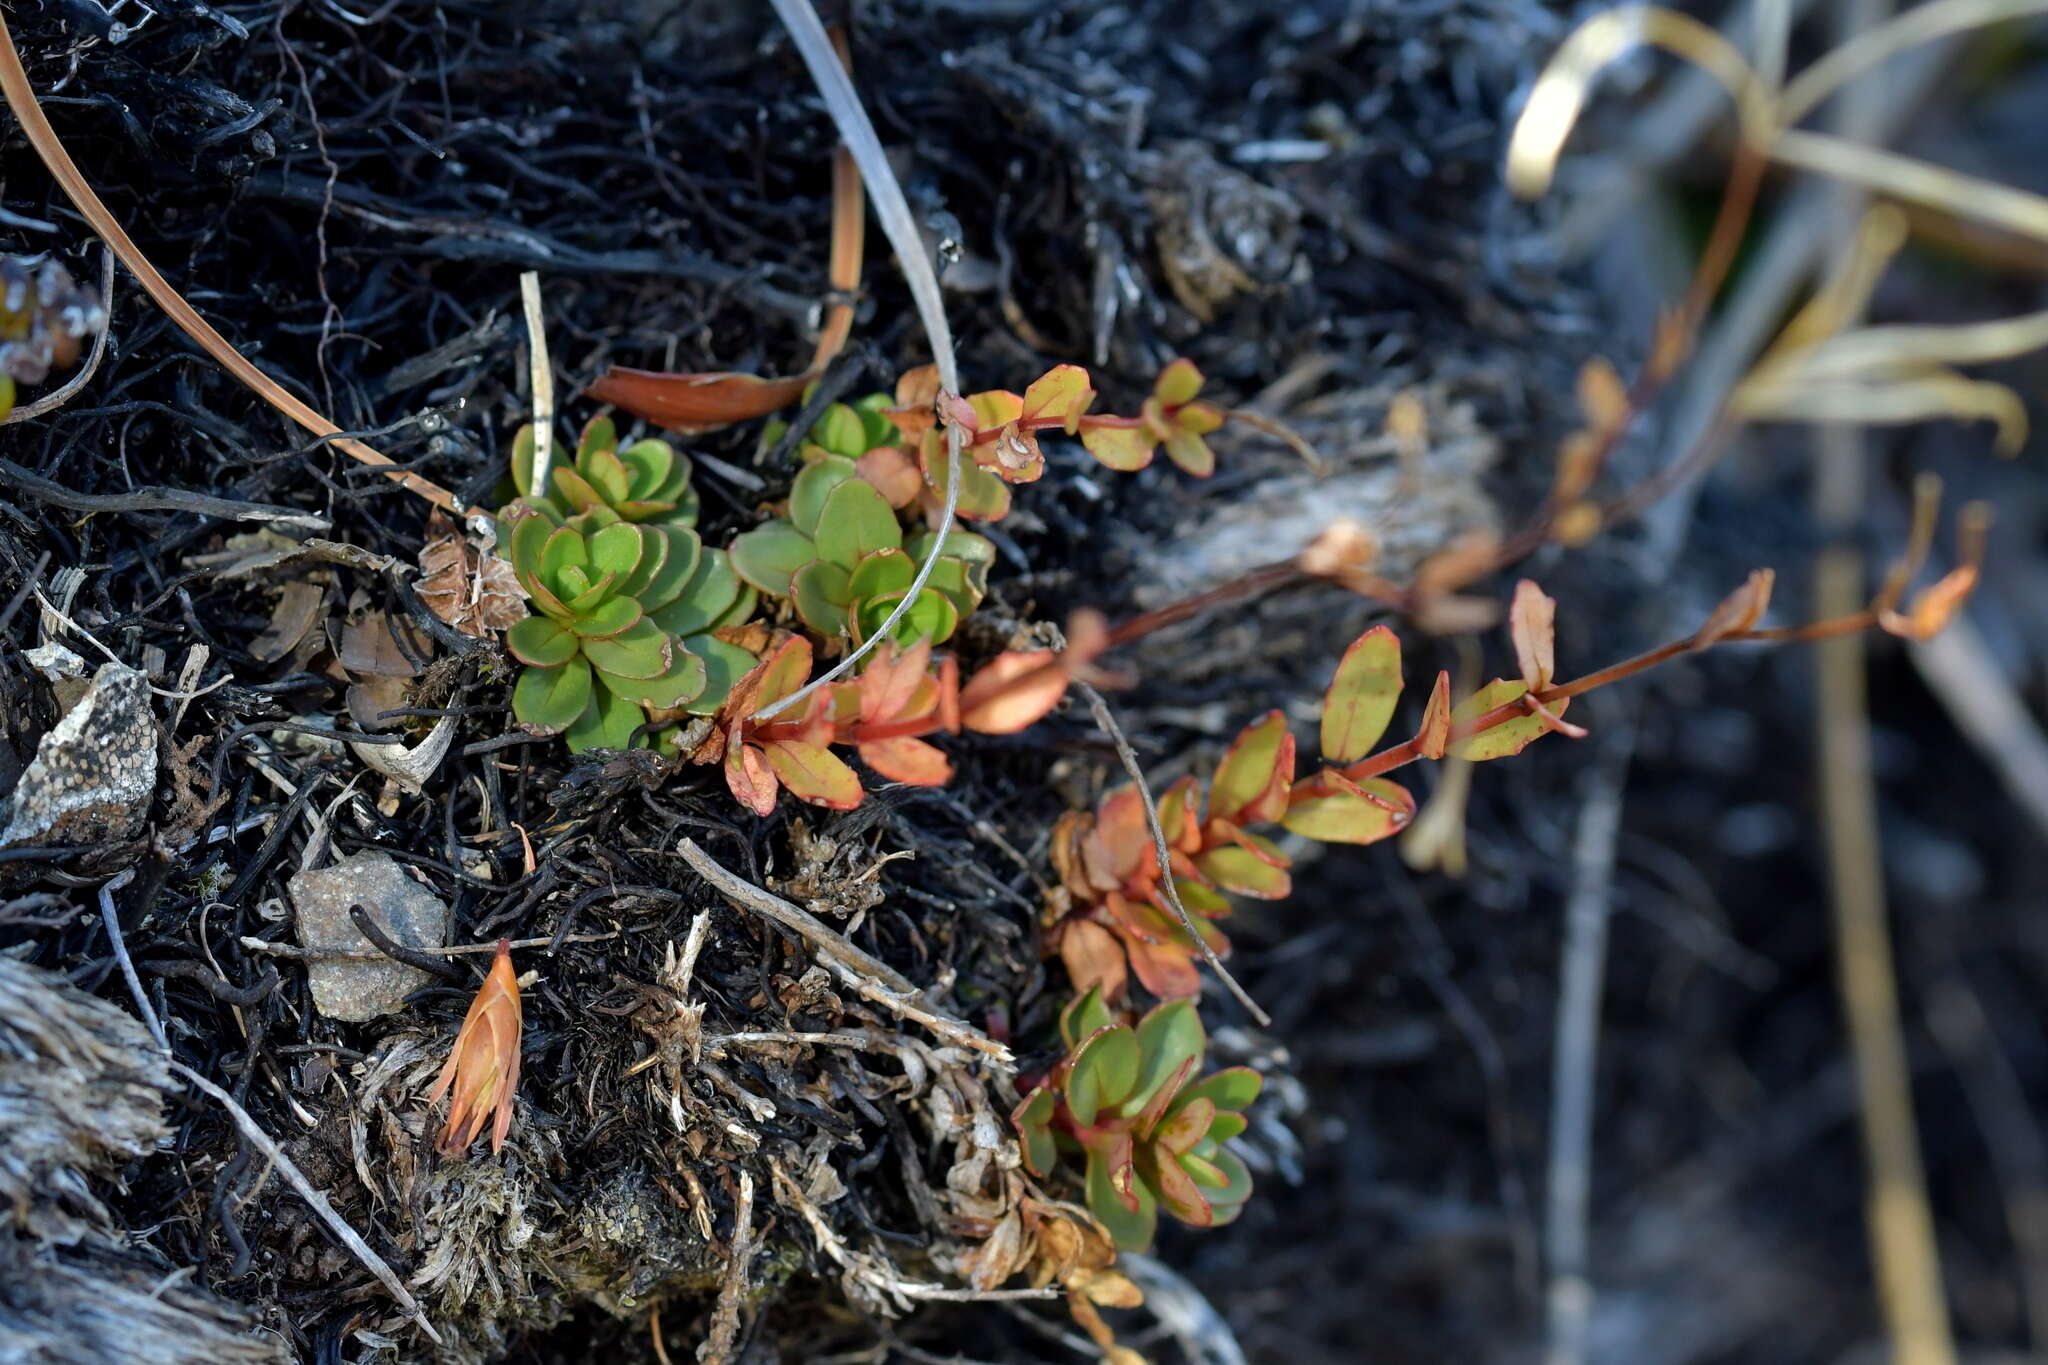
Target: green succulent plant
[
  {"x": 841, "y": 554},
  {"x": 1151, "y": 1136},
  {"x": 622, "y": 625},
  {"x": 648, "y": 481}
]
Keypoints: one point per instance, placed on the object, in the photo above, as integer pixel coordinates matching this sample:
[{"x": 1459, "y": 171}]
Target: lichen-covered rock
[
  {"x": 410, "y": 915},
  {"x": 93, "y": 772}
]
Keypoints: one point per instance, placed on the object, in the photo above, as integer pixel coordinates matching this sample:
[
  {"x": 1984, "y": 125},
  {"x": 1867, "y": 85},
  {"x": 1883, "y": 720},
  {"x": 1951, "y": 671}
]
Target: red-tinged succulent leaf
[
  {"x": 682, "y": 681},
  {"x": 783, "y": 670},
  {"x": 907, "y": 760},
  {"x": 995, "y": 408},
  {"x": 1220, "y": 833},
  {"x": 1180, "y": 816},
  {"x": 1224, "y": 1127},
  {"x": 694, "y": 403},
  {"x": 1033, "y": 1120},
  {"x": 1165, "y": 969},
  {"x": 814, "y": 773},
  {"x": 1199, "y": 898},
  {"x": 1240, "y": 870},
  {"x": 1188, "y": 1126},
  {"x": 819, "y": 480},
  {"x": 1191, "y": 453},
  {"x": 892, "y": 678},
  {"x": 1103, "y": 1070},
  {"x": 983, "y": 496},
  {"x": 856, "y": 520},
  {"x": 1198, "y": 419},
  {"x": 1532, "y": 624},
  {"x": 1093, "y": 957},
  {"x": 1739, "y": 610},
  {"x": 574, "y": 490},
  {"x": 1131, "y": 1229},
  {"x": 1171, "y": 1043},
  {"x": 1012, "y": 691},
  {"x": 1251, "y": 784},
  {"x": 539, "y": 641},
  {"x": 917, "y": 393},
  {"x": 1162, "y": 1097},
  {"x": 1122, "y": 448},
  {"x": 1178, "y": 383},
  {"x": 1178, "y": 1193},
  {"x": 1360, "y": 699},
  {"x": 1332, "y": 809},
  {"x": 1119, "y": 843},
  {"x": 749, "y": 776},
  {"x": 1231, "y": 1090},
  {"x": 1083, "y": 1015},
  {"x": 960, "y": 412},
  {"x": 608, "y": 722},
  {"x": 894, "y": 473},
  {"x": 1063, "y": 392},
  {"x": 1510, "y": 736},
  {"x": 1434, "y": 735}
]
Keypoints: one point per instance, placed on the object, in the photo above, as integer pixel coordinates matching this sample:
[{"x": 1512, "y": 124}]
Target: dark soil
[{"x": 1296, "y": 196}]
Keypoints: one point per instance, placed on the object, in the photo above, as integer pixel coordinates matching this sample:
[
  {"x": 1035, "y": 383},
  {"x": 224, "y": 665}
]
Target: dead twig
[
  {"x": 1107, "y": 722},
  {"x": 725, "y": 1318},
  {"x": 874, "y": 979}
]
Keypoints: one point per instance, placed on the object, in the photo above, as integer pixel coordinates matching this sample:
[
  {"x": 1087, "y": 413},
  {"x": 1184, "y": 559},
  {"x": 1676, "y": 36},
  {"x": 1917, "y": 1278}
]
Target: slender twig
[
  {"x": 153, "y": 499},
  {"x": 291, "y": 950},
  {"x": 876, "y": 980},
  {"x": 732, "y": 1287},
  {"x": 252, "y": 1131},
  {"x": 21, "y": 98},
  {"x": 893, "y": 210},
  {"x": 1107, "y": 722}
]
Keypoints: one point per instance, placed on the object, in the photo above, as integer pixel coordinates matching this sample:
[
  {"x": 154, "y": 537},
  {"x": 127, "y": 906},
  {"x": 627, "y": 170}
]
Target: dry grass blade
[
  {"x": 21, "y": 98},
  {"x": 1872, "y": 48},
  {"x": 1904, "y": 177}
]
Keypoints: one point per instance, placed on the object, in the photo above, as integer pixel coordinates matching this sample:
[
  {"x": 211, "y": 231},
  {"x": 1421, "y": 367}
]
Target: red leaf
[
  {"x": 1012, "y": 691},
  {"x": 907, "y": 760},
  {"x": 693, "y": 403},
  {"x": 1532, "y": 622},
  {"x": 1251, "y": 785},
  {"x": 1093, "y": 957},
  {"x": 892, "y": 679},
  {"x": 1739, "y": 610},
  {"x": 748, "y": 776},
  {"x": 1361, "y": 697},
  {"x": 815, "y": 774},
  {"x": 1434, "y": 735}
]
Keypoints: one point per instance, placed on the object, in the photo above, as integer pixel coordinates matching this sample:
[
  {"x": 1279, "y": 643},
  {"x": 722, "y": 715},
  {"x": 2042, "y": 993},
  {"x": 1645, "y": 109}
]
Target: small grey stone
[
  {"x": 410, "y": 915},
  {"x": 93, "y": 773}
]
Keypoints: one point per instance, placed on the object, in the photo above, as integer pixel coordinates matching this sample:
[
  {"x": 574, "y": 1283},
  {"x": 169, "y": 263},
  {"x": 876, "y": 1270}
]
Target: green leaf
[
  {"x": 615, "y": 550},
  {"x": 1231, "y": 1091},
  {"x": 741, "y": 611},
  {"x": 552, "y": 698},
  {"x": 562, "y": 549},
  {"x": 841, "y": 431},
  {"x": 522, "y": 460},
  {"x": 1104, "y": 1071},
  {"x": 1191, "y": 453},
  {"x": 932, "y": 616},
  {"x": 574, "y": 490},
  {"x": 607, "y": 474},
  {"x": 769, "y": 556},
  {"x": 1168, "y": 1037},
  {"x": 711, "y": 589},
  {"x": 817, "y": 482},
  {"x": 1124, "y": 448},
  {"x": 1502, "y": 740},
  {"x": 608, "y": 617},
  {"x": 1179, "y": 1194},
  {"x": 653, "y": 555},
  {"x": 821, "y": 594},
  {"x": 541, "y": 642},
  {"x": 640, "y": 651},
  {"x": 599, "y": 433},
  {"x": 1033, "y": 1121},
  {"x": 961, "y": 545},
  {"x": 856, "y": 520},
  {"x": 983, "y": 496},
  {"x": 1178, "y": 383},
  {"x": 1333, "y": 810},
  {"x": 1240, "y": 870},
  {"x": 648, "y": 464},
  {"x": 1130, "y": 1231},
  {"x": 1251, "y": 784},
  {"x": 682, "y": 553},
  {"x": 724, "y": 665},
  {"x": 1360, "y": 699},
  {"x": 608, "y": 722},
  {"x": 883, "y": 571},
  {"x": 683, "y": 680},
  {"x": 877, "y": 429},
  {"x": 1083, "y": 1017}
]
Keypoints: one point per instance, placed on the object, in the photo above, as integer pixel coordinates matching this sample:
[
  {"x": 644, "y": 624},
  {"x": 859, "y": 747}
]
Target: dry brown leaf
[
  {"x": 1739, "y": 610},
  {"x": 298, "y": 610}
]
